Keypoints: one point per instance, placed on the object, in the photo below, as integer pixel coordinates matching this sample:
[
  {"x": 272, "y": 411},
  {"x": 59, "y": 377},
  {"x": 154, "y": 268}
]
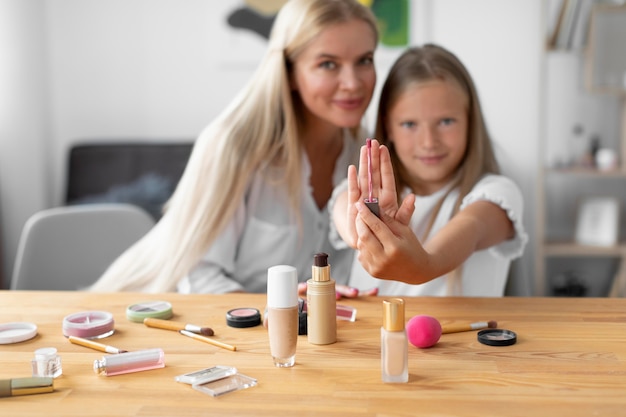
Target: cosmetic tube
[
  {"x": 26, "y": 386},
  {"x": 321, "y": 299},
  {"x": 393, "y": 342},
  {"x": 47, "y": 363},
  {"x": 124, "y": 363},
  {"x": 282, "y": 309}
]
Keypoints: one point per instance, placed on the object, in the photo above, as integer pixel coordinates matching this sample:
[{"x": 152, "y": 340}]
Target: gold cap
[{"x": 393, "y": 314}]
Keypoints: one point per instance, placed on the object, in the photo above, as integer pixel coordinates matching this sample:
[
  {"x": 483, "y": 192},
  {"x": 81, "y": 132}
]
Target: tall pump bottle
[{"x": 321, "y": 303}]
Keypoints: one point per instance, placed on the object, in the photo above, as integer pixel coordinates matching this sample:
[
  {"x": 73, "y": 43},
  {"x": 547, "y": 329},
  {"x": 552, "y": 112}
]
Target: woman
[{"x": 255, "y": 190}]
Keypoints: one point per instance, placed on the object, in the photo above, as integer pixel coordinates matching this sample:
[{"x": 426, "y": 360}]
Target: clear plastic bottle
[
  {"x": 394, "y": 348},
  {"x": 124, "y": 363}
]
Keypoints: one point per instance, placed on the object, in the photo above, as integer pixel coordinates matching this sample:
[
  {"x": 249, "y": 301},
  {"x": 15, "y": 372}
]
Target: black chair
[{"x": 135, "y": 172}]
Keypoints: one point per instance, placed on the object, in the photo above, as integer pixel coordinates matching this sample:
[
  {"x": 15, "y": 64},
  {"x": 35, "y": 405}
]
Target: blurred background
[{"x": 158, "y": 71}]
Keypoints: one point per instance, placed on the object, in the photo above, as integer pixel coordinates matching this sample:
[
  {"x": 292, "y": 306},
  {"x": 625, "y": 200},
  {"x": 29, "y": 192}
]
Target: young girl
[
  {"x": 255, "y": 191},
  {"x": 459, "y": 224}
]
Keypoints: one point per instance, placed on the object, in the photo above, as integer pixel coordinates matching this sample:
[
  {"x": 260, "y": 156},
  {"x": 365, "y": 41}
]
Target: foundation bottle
[
  {"x": 393, "y": 342},
  {"x": 282, "y": 310},
  {"x": 321, "y": 303}
]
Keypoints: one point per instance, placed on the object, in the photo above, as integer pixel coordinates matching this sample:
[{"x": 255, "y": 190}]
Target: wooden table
[{"x": 569, "y": 360}]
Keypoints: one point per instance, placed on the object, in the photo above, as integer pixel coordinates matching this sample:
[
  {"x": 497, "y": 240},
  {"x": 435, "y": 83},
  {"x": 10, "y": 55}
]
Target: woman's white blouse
[
  {"x": 485, "y": 272},
  {"x": 265, "y": 232}
]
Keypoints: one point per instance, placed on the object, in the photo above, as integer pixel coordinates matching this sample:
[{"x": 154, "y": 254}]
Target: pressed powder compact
[
  {"x": 152, "y": 309},
  {"x": 89, "y": 324},
  {"x": 243, "y": 317},
  {"x": 17, "y": 332},
  {"x": 497, "y": 337}
]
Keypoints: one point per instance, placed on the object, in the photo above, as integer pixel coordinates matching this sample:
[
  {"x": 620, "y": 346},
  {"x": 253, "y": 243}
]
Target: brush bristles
[
  {"x": 207, "y": 331},
  {"x": 492, "y": 324}
]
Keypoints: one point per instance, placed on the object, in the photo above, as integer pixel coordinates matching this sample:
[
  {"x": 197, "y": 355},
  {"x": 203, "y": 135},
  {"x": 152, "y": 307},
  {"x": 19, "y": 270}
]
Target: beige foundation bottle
[{"x": 321, "y": 303}]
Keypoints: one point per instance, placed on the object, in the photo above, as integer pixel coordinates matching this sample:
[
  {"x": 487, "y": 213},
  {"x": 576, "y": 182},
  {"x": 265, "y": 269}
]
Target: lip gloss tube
[
  {"x": 26, "y": 386},
  {"x": 282, "y": 308},
  {"x": 124, "y": 363}
]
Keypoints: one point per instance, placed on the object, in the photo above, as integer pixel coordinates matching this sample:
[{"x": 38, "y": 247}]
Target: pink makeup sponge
[{"x": 423, "y": 331}]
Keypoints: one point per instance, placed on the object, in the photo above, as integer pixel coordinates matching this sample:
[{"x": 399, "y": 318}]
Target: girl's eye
[
  {"x": 447, "y": 121},
  {"x": 328, "y": 65},
  {"x": 368, "y": 60},
  {"x": 408, "y": 124}
]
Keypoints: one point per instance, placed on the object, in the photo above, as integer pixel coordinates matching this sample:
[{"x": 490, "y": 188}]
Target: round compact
[
  {"x": 89, "y": 324},
  {"x": 497, "y": 337},
  {"x": 153, "y": 309},
  {"x": 16, "y": 332},
  {"x": 243, "y": 317}
]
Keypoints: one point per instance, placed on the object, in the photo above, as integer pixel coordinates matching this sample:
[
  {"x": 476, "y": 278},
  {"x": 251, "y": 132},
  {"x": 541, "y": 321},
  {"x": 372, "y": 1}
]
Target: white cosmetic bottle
[{"x": 282, "y": 309}]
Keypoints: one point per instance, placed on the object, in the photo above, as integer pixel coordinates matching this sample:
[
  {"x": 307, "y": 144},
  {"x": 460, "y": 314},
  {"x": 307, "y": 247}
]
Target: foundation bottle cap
[
  {"x": 282, "y": 286},
  {"x": 393, "y": 315},
  {"x": 321, "y": 268}
]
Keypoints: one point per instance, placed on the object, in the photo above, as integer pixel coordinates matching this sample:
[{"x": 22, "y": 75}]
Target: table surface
[{"x": 569, "y": 360}]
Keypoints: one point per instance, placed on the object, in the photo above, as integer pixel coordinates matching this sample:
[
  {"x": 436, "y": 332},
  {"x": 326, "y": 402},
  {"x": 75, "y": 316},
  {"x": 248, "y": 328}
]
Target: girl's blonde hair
[
  {"x": 259, "y": 127},
  {"x": 432, "y": 62},
  {"x": 426, "y": 63}
]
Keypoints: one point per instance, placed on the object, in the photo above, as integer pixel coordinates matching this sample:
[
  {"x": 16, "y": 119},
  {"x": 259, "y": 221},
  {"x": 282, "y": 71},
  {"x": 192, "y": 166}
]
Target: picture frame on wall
[{"x": 597, "y": 221}]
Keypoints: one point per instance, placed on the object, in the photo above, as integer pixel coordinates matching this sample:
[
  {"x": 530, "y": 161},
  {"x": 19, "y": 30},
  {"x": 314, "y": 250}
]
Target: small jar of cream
[{"x": 47, "y": 363}]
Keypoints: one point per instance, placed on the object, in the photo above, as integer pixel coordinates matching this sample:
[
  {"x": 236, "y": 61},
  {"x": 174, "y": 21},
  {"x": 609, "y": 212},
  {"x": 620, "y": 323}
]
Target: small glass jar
[{"x": 47, "y": 363}]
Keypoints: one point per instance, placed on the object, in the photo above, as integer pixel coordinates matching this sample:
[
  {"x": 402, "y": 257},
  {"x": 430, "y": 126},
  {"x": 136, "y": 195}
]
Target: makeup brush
[
  {"x": 172, "y": 325},
  {"x": 455, "y": 328}
]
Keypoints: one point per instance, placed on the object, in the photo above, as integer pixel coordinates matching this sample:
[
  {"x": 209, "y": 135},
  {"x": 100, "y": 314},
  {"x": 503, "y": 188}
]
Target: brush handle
[
  {"x": 163, "y": 324},
  {"x": 456, "y": 328}
]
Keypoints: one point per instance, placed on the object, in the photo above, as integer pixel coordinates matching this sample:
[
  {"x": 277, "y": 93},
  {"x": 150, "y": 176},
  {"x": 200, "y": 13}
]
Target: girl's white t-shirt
[{"x": 485, "y": 272}]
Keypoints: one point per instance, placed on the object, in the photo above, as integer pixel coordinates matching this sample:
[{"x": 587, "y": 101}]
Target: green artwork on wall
[
  {"x": 392, "y": 16},
  {"x": 393, "y": 21}
]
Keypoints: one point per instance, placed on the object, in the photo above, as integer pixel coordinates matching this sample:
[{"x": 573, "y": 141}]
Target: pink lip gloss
[
  {"x": 124, "y": 363},
  {"x": 371, "y": 202}
]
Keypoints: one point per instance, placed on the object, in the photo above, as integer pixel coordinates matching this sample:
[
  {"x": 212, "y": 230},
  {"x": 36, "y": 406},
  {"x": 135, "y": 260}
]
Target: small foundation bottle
[
  {"x": 47, "y": 363},
  {"x": 393, "y": 342},
  {"x": 321, "y": 301},
  {"x": 282, "y": 314},
  {"x": 124, "y": 363}
]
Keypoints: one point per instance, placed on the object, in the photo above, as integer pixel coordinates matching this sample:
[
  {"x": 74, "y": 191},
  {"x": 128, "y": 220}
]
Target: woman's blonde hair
[
  {"x": 432, "y": 62},
  {"x": 259, "y": 127}
]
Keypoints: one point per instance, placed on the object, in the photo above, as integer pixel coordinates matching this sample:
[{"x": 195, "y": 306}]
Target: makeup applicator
[
  {"x": 455, "y": 328},
  {"x": 425, "y": 331}
]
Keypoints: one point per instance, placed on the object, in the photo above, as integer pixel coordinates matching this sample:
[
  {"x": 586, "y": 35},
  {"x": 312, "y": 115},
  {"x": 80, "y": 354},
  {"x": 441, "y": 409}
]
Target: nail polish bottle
[
  {"x": 321, "y": 300},
  {"x": 282, "y": 311},
  {"x": 47, "y": 363},
  {"x": 393, "y": 342},
  {"x": 124, "y": 363}
]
